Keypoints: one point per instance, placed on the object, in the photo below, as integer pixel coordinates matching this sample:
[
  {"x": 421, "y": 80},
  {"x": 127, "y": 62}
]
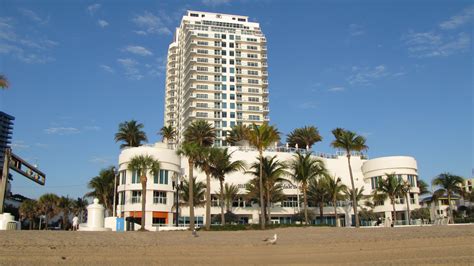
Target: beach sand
[{"x": 311, "y": 245}]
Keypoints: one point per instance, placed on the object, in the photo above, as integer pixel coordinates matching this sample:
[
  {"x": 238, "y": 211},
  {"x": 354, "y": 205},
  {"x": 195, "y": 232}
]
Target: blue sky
[{"x": 399, "y": 73}]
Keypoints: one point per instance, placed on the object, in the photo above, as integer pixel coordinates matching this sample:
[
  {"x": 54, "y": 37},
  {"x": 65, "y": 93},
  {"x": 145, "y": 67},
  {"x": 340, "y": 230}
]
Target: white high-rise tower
[{"x": 216, "y": 71}]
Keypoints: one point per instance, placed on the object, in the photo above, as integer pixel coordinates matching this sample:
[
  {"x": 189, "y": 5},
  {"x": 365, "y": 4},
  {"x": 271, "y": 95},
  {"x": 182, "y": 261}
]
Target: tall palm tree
[
  {"x": 449, "y": 185},
  {"x": 143, "y": 164},
  {"x": 221, "y": 165},
  {"x": 422, "y": 186},
  {"x": 272, "y": 175},
  {"x": 103, "y": 187},
  {"x": 199, "y": 191},
  {"x": 305, "y": 137},
  {"x": 318, "y": 195},
  {"x": 229, "y": 194},
  {"x": 197, "y": 137},
  {"x": 131, "y": 134},
  {"x": 48, "y": 206},
  {"x": 205, "y": 164},
  {"x": 238, "y": 133},
  {"x": 334, "y": 188},
  {"x": 3, "y": 82},
  {"x": 349, "y": 141},
  {"x": 65, "y": 205},
  {"x": 200, "y": 132},
  {"x": 304, "y": 169},
  {"x": 405, "y": 191},
  {"x": 29, "y": 210},
  {"x": 168, "y": 133},
  {"x": 389, "y": 187},
  {"x": 261, "y": 137}
]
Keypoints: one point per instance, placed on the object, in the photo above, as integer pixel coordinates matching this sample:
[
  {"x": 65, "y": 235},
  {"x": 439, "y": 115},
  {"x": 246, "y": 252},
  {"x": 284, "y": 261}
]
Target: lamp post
[
  {"x": 115, "y": 189},
  {"x": 177, "y": 185}
]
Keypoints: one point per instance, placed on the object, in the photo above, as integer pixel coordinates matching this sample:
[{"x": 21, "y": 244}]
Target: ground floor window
[
  {"x": 198, "y": 220},
  {"x": 159, "y": 221}
]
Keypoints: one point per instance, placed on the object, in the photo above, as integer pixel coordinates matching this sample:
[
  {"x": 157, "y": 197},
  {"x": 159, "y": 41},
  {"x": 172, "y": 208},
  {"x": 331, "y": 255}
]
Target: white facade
[
  {"x": 216, "y": 71},
  {"x": 364, "y": 172}
]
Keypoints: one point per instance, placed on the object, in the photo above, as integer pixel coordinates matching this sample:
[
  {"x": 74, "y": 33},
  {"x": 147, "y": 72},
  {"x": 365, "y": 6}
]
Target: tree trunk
[
  {"x": 305, "y": 204},
  {"x": 394, "y": 215},
  {"x": 354, "y": 199},
  {"x": 46, "y": 221},
  {"x": 335, "y": 214},
  {"x": 208, "y": 201},
  {"x": 408, "y": 207},
  {"x": 221, "y": 183},
  {"x": 191, "y": 195},
  {"x": 451, "y": 218},
  {"x": 142, "y": 220},
  {"x": 262, "y": 211},
  {"x": 269, "y": 207},
  {"x": 321, "y": 212}
]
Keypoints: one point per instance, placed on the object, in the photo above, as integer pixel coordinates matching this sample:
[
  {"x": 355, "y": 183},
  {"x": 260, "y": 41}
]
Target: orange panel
[
  {"x": 160, "y": 215},
  {"x": 136, "y": 214}
]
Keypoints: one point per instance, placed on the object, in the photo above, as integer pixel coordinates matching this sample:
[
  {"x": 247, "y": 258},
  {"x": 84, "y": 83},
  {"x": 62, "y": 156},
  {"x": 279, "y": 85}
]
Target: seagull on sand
[
  {"x": 271, "y": 240},
  {"x": 195, "y": 233}
]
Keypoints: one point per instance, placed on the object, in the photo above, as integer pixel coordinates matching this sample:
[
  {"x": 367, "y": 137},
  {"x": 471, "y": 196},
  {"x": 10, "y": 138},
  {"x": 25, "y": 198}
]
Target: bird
[
  {"x": 271, "y": 240},
  {"x": 195, "y": 233}
]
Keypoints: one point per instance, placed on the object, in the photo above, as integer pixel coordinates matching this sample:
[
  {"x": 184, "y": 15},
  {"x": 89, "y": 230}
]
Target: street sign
[{"x": 22, "y": 167}]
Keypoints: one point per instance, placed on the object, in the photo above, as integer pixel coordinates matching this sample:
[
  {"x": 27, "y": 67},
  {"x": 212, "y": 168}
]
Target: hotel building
[{"x": 216, "y": 71}]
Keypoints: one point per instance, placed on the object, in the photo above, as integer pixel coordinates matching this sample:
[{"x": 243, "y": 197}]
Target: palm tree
[
  {"x": 221, "y": 165},
  {"x": 168, "y": 133},
  {"x": 304, "y": 169},
  {"x": 304, "y": 137},
  {"x": 229, "y": 194},
  {"x": 238, "y": 133},
  {"x": 143, "y": 164},
  {"x": 200, "y": 132},
  {"x": 204, "y": 163},
  {"x": 3, "y": 82},
  {"x": 423, "y": 187},
  {"x": 29, "y": 210},
  {"x": 334, "y": 188},
  {"x": 79, "y": 207},
  {"x": 192, "y": 151},
  {"x": 103, "y": 187},
  {"x": 47, "y": 205},
  {"x": 318, "y": 195},
  {"x": 272, "y": 174},
  {"x": 131, "y": 134},
  {"x": 449, "y": 185},
  {"x": 199, "y": 191},
  {"x": 65, "y": 205},
  {"x": 391, "y": 188},
  {"x": 349, "y": 141},
  {"x": 261, "y": 137},
  {"x": 273, "y": 192}
]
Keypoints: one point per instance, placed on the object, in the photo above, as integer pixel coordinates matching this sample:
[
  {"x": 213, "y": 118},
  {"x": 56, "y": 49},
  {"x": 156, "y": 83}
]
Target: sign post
[{"x": 20, "y": 166}]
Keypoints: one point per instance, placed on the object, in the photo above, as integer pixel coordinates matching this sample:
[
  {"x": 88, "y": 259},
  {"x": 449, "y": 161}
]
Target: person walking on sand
[{"x": 75, "y": 223}]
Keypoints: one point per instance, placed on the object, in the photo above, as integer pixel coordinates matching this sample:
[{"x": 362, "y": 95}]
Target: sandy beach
[{"x": 414, "y": 245}]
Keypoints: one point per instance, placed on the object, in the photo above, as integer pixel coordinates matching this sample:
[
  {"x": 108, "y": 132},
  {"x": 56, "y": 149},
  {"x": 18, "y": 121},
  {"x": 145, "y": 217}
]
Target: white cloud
[
  {"x": 93, "y": 8},
  {"x": 215, "y": 2},
  {"x": 458, "y": 20},
  {"x": 430, "y": 44},
  {"x": 131, "y": 68},
  {"x": 138, "y": 50},
  {"x": 336, "y": 89},
  {"x": 103, "y": 160},
  {"x": 356, "y": 30},
  {"x": 140, "y": 32},
  {"x": 19, "y": 145},
  {"x": 61, "y": 130},
  {"x": 102, "y": 23},
  {"x": 33, "y": 16},
  {"x": 107, "y": 68},
  {"x": 149, "y": 23},
  {"x": 366, "y": 75}
]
